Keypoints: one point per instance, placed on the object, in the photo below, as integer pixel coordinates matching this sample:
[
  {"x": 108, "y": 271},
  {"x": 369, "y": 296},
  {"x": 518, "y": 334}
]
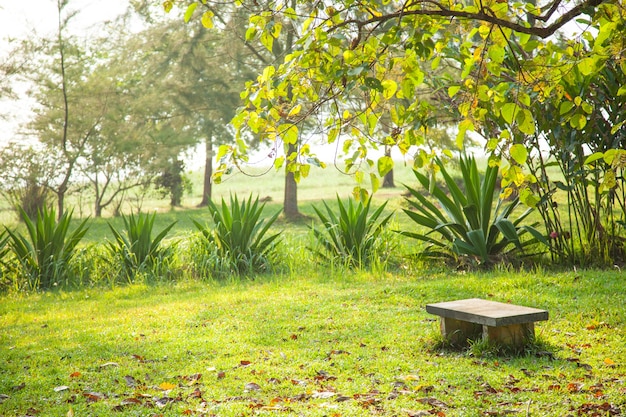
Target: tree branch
[{"x": 482, "y": 15}]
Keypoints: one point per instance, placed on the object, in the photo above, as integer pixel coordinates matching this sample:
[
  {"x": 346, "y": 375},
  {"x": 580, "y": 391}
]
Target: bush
[
  {"x": 135, "y": 247},
  {"x": 239, "y": 242},
  {"x": 353, "y": 236},
  {"x": 467, "y": 224},
  {"x": 44, "y": 254}
]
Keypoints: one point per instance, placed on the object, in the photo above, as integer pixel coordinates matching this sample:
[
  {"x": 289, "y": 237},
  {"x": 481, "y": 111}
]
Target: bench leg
[
  {"x": 458, "y": 332},
  {"x": 515, "y": 335}
]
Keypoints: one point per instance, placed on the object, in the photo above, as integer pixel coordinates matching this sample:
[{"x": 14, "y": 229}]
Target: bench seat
[{"x": 475, "y": 318}]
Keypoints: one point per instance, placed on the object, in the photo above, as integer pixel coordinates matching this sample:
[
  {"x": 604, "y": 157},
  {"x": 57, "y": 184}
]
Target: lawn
[{"x": 314, "y": 342}]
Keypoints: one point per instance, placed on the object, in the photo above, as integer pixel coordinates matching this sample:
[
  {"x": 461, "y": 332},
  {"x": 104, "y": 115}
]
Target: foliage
[
  {"x": 240, "y": 237},
  {"x": 45, "y": 253},
  {"x": 467, "y": 224},
  {"x": 353, "y": 236},
  {"x": 587, "y": 138},
  {"x": 135, "y": 247},
  {"x": 359, "y": 64},
  {"x": 172, "y": 182}
]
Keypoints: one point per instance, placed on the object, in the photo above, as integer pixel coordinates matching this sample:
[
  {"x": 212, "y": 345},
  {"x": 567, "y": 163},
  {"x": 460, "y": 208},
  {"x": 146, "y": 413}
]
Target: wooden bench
[{"x": 474, "y": 318}]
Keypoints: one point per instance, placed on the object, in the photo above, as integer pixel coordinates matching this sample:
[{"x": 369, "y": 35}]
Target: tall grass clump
[
  {"x": 44, "y": 253},
  {"x": 136, "y": 250},
  {"x": 239, "y": 241},
  {"x": 468, "y": 222},
  {"x": 353, "y": 236}
]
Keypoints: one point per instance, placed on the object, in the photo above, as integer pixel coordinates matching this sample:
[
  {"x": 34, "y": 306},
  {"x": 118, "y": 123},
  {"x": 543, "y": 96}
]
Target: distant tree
[{"x": 63, "y": 126}]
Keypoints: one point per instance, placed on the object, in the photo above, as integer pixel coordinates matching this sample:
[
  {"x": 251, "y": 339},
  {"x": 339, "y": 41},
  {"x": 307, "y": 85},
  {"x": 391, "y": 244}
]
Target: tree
[
  {"x": 257, "y": 56},
  {"x": 362, "y": 45},
  {"x": 61, "y": 127}
]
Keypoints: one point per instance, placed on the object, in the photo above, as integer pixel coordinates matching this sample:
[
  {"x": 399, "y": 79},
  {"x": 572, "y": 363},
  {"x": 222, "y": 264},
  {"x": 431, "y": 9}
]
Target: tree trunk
[
  {"x": 290, "y": 204},
  {"x": 208, "y": 173},
  {"x": 60, "y": 203}
]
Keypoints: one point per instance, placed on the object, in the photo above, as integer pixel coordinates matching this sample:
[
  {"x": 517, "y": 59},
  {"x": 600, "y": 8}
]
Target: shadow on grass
[{"x": 484, "y": 349}]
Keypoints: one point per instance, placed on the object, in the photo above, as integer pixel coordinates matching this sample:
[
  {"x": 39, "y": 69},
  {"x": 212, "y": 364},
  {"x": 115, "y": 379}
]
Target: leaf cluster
[
  {"x": 44, "y": 253},
  {"x": 466, "y": 222},
  {"x": 353, "y": 236},
  {"x": 135, "y": 247},
  {"x": 240, "y": 237}
]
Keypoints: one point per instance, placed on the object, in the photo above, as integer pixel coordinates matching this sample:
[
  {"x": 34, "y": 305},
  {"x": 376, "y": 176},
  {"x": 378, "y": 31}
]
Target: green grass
[{"x": 314, "y": 343}]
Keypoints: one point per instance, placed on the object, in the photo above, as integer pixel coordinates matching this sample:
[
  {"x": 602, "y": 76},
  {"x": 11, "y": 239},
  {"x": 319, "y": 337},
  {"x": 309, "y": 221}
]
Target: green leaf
[
  {"x": 578, "y": 121},
  {"x": 509, "y": 112},
  {"x": 375, "y": 181},
  {"x": 278, "y": 163},
  {"x": 385, "y": 165},
  {"x": 526, "y": 122},
  {"x": 519, "y": 153},
  {"x": 251, "y": 33},
  {"x": 389, "y": 88},
  {"x": 464, "y": 126},
  {"x": 565, "y": 107},
  {"x": 289, "y": 133},
  {"x": 593, "y": 158},
  {"x": 207, "y": 19},
  {"x": 373, "y": 83},
  {"x": 189, "y": 12},
  {"x": 587, "y": 66},
  {"x": 622, "y": 91},
  {"x": 453, "y": 89}
]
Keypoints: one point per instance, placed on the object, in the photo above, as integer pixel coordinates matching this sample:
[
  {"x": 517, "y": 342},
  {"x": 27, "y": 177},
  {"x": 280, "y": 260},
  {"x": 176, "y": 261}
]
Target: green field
[
  {"x": 315, "y": 342},
  {"x": 309, "y": 338}
]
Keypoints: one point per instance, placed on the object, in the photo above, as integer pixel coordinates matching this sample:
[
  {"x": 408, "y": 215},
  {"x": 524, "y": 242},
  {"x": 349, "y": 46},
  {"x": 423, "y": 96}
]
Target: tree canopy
[{"x": 360, "y": 63}]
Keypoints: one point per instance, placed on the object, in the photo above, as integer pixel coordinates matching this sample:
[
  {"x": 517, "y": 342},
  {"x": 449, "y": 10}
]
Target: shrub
[
  {"x": 352, "y": 236},
  {"x": 240, "y": 237},
  {"x": 135, "y": 247},
  {"x": 467, "y": 223},
  {"x": 44, "y": 254}
]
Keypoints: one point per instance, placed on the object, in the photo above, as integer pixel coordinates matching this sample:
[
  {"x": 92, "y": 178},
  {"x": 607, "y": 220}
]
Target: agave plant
[
  {"x": 135, "y": 246},
  {"x": 240, "y": 236},
  {"x": 45, "y": 252},
  {"x": 353, "y": 235},
  {"x": 466, "y": 223}
]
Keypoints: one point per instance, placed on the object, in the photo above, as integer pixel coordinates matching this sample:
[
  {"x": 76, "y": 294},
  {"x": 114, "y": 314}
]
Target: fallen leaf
[
  {"x": 196, "y": 393},
  {"x": 75, "y": 374},
  {"x": 221, "y": 375},
  {"x": 192, "y": 379},
  {"x": 3, "y": 398},
  {"x": 61, "y": 388},
  {"x": 166, "y": 386},
  {"x": 252, "y": 386},
  {"x": 433, "y": 402},
  {"x": 131, "y": 401},
  {"x": 131, "y": 382},
  {"x": 574, "y": 386},
  {"x": 609, "y": 362},
  {"x": 324, "y": 394},
  {"x": 420, "y": 413},
  {"x": 163, "y": 402},
  {"x": 19, "y": 387},
  {"x": 106, "y": 365},
  {"x": 93, "y": 396},
  {"x": 244, "y": 363}
]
